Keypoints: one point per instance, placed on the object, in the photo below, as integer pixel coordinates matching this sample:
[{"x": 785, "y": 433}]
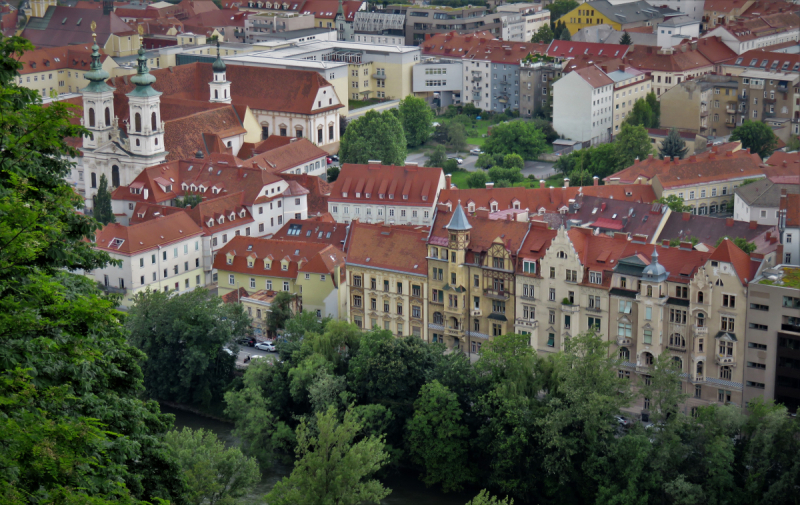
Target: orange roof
[
  {"x": 327, "y": 9},
  {"x": 319, "y": 230},
  {"x": 498, "y": 51},
  {"x": 58, "y": 58},
  {"x": 289, "y": 156},
  {"x": 714, "y": 50},
  {"x": 728, "y": 252},
  {"x": 184, "y": 136},
  {"x": 141, "y": 237},
  {"x": 763, "y": 26},
  {"x": 407, "y": 185},
  {"x": 722, "y": 6},
  {"x": 454, "y": 44},
  {"x": 598, "y": 253},
  {"x": 571, "y": 49},
  {"x": 234, "y": 296},
  {"x": 682, "y": 264},
  {"x": 649, "y": 58},
  {"x": 318, "y": 191},
  {"x": 483, "y": 233},
  {"x": 302, "y": 256},
  {"x": 400, "y": 248},
  {"x": 791, "y": 204},
  {"x": 595, "y": 77}
]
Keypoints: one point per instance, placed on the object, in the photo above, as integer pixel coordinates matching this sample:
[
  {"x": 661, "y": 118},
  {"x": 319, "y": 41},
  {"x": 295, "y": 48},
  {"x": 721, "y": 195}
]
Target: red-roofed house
[
  {"x": 59, "y": 69},
  {"x": 375, "y": 193},
  {"x": 307, "y": 270},
  {"x": 759, "y": 32},
  {"x": 387, "y": 278},
  {"x": 583, "y": 105},
  {"x": 161, "y": 254},
  {"x": 669, "y": 66}
]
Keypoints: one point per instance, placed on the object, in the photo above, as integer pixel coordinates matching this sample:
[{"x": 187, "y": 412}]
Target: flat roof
[
  {"x": 321, "y": 45},
  {"x": 293, "y": 34},
  {"x": 266, "y": 59}
]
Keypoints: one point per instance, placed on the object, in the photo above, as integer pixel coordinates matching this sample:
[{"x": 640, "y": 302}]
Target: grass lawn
[
  {"x": 460, "y": 179},
  {"x": 357, "y": 104},
  {"x": 482, "y": 127}
]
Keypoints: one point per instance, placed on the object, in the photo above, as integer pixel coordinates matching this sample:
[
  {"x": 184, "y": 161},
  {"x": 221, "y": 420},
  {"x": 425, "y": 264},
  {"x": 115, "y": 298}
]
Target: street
[{"x": 244, "y": 351}]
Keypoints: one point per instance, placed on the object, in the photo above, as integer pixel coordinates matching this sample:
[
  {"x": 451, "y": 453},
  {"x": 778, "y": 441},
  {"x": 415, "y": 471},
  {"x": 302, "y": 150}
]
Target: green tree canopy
[
  {"x": 625, "y": 40},
  {"x": 673, "y": 146},
  {"x": 756, "y": 136},
  {"x": 477, "y": 179},
  {"x": 417, "y": 119},
  {"x": 655, "y": 106},
  {"x": 281, "y": 311},
  {"x": 213, "y": 473},
  {"x": 374, "y": 136},
  {"x": 560, "y": 7},
  {"x": 437, "y": 157},
  {"x": 102, "y": 203},
  {"x": 333, "y": 173},
  {"x": 642, "y": 114},
  {"x": 183, "y": 337},
  {"x": 331, "y": 466},
  {"x": 675, "y": 203},
  {"x": 438, "y": 441},
  {"x": 456, "y": 136},
  {"x": 631, "y": 143},
  {"x": 739, "y": 242},
  {"x": 516, "y": 137},
  {"x": 543, "y": 35}
]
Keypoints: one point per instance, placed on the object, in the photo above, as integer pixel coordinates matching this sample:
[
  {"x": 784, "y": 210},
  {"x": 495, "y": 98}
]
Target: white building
[
  {"x": 583, "y": 105},
  {"x": 760, "y": 201},
  {"x": 675, "y": 30},
  {"x": 164, "y": 254},
  {"x": 439, "y": 78},
  {"x": 789, "y": 226},
  {"x": 760, "y": 32},
  {"x": 692, "y": 8},
  {"x": 533, "y": 17}
]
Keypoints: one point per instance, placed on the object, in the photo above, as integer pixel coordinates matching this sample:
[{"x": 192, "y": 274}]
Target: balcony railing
[
  {"x": 475, "y": 312},
  {"x": 730, "y": 109},
  {"x": 570, "y": 308},
  {"x": 624, "y": 340},
  {"x": 496, "y": 294},
  {"x": 783, "y": 89},
  {"x": 701, "y": 330},
  {"x": 528, "y": 323},
  {"x": 379, "y": 76},
  {"x": 725, "y": 360},
  {"x": 676, "y": 348},
  {"x": 790, "y": 327},
  {"x": 477, "y": 78}
]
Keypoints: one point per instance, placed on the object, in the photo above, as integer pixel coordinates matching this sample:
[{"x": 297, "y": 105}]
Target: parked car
[
  {"x": 476, "y": 152},
  {"x": 228, "y": 351},
  {"x": 330, "y": 160},
  {"x": 266, "y": 346},
  {"x": 458, "y": 160},
  {"x": 249, "y": 342},
  {"x": 622, "y": 421},
  {"x": 335, "y": 157}
]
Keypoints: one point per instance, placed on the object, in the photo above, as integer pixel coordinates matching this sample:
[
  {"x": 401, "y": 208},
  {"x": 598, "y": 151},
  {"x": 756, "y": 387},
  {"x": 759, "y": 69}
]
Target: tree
[
  {"x": 509, "y": 363},
  {"x": 102, "y": 203},
  {"x": 739, "y": 242},
  {"x": 625, "y": 40},
  {"x": 664, "y": 389},
  {"x": 513, "y": 161},
  {"x": 484, "y": 498},
  {"x": 437, "y": 439},
  {"x": 560, "y": 7},
  {"x": 450, "y": 166},
  {"x": 544, "y": 35},
  {"x": 437, "y": 157},
  {"x": 655, "y": 106},
  {"x": 675, "y": 203},
  {"x": 417, "y": 119},
  {"x": 485, "y": 160},
  {"x": 477, "y": 179},
  {"x": 456, "y": 136},
  {"x": 183, "y": 337},
  {"x": 631, "y": 143},
  {"x": 374, "y": 136},
  {"x": 333, "y": 173},
  {"x": 641, "y": 114},
  {"x": 189, "y": 200},
  {"x": 519, "y": 137},
  {"x": 213, "y": 473},
  {"x": 756, "y": 136},
  {"x": 331, "y": 467},
  {"x": 793, "y": 145},
  {"x": 281, "y": 311},
  {"x": 673, "y": 146},
  {"x": 564, "y": 35},
  {"x": 505, "y": 177},
  {"x": 74, "y": 427}
]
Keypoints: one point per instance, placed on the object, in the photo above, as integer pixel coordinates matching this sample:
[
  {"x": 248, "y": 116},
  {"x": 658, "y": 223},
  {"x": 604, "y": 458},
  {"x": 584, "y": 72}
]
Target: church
[{"x": 176, "y": 113}]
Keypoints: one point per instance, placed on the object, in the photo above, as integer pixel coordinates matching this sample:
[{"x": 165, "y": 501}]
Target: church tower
[
  {"x": 98, "y": 103},
  {"x": 145, "y": 128},
  {"x": 344, "y": 29},
  {"x": 220, "y": 86}
]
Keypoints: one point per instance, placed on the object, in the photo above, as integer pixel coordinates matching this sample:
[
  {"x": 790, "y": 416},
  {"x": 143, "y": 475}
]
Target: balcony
[
  {"x": 570, "y": 308},
  {"x": 502, "y": 99},
  {"x": 730, "y": 109},
  {"x": 495, "y": 294},
  {"x": 730, "y": 122},
  {"x": 526, "y": 323},
  {"x": 790, "y": 327},
  {"x": 453, "y": 332},
  {"x": 380, "y": 77},
  {"x": 782, "y": 88},
  {"x": 697, "y": 378},
  {"x": 769, "y": 113},
  {"x": 476, "y": 96},
  {"x": 703, "y": 113},
  {"x": 624, "y": 340},
  {"x": 477, "y": 78},
  {"x": 476, "y": 73},
  {"x": 475, "y": 312},
  {"x": 769, "y": 100},
  {"x": 453, "y": 310},
  {"x": 722, "y": 359},
  {"x": 676, "y": 348},
  {"x": 700, "y": 330}
]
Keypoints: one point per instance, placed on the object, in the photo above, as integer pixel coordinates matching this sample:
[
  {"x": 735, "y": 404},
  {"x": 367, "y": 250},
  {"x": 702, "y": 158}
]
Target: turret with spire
[
  {"x": 145, "y": 128},
  {"x": 220, "y": 87},
  {"x": 344, "y": 29},
  {"x": 98, "y": 102}
]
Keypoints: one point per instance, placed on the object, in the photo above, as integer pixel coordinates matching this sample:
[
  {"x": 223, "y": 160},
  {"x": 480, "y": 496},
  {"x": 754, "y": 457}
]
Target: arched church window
[
  {"x": 108, "y": 117},
  {"x": 216, "y": 94},
  {"x": 91, "y": 117},
  {"x": 115, "y": 176},
  {"x": 137, "y": 123},
  {"x": 153, "y": 121}
]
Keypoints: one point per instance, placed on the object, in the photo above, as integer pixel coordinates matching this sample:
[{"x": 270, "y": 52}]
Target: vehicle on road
[
  {"x": 335, "y": 157},
  {"x": 249, "y": 342},
  {"x": 266, "y": 346},
  {"x": 458, "y": 160},
  {"x": 476, "y": 152},
  {"x": 330, "y": 160},
  {"x": 228, "y": 351}
]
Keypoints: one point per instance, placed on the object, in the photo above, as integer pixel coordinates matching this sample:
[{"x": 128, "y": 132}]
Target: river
[{"x": 406, "y": 489}]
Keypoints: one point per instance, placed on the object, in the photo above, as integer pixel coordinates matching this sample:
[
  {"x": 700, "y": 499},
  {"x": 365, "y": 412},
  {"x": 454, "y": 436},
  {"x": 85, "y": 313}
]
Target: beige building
[
  {"x": 772, "y": 336},
  {"x": 387, "y": 281},
  {"x": 630, "y": 85}
]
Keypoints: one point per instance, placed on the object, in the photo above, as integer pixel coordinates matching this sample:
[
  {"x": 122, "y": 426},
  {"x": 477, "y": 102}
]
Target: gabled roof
[
  {"x": 145, "y": 236},
  {"x": 289, "y": 156},
  {"x": 598, "y": 253},
  {"x": 764, "y": 193},
  {"x": 64, "y": 26},
  {"x": 407, "y": 185},
  {"x": 680, "y": 264},
  {"x": 714, "y": 50},
  {"x": 50, "y": 59},
  {"x": 318, "y": 191},
  {"x": 327, "y": 9},
  {"x": 393, "y": 247},
  {"x": 483, "y": 233},
  {"x": 762, "y": 26},
  {"x": 570, "y": 49},
  {"x": 682, "y": 59},
  {"x": 319, "y": 230},
  {"x": 707, "y": 229},
  {"x": 302, "y": 257},
  {"x": 594, "y": 77},
  {"x": 183, "y": 137},
  {"x": 453, "y": 44},
  {"x": 728, "y": 252},
  {"x": 498, "y": 51}
]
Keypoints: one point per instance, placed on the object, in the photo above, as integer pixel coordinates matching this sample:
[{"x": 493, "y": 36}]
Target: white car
[
  {"x": 266, "y": 346},
  {"x": 476, "y": 152},
  {"x": 226, "y": 350},
  {"x": 458, "y": 160}
]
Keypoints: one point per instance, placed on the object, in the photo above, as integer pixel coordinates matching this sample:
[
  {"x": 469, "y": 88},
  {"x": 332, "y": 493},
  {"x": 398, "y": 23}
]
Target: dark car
[{"x": 249, "y": 342}]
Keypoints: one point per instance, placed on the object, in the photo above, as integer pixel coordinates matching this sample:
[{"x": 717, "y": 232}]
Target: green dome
[
  {"x": 97, "y": 76},
  {"x": 218, "y": 65},
  {"x": 142, "y": 77}
]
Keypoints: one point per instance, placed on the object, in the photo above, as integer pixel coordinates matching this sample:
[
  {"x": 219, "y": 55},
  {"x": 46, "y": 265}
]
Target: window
[
  {"x": 594, "y": 323},
  {"x": 551, "y": 339},
  {"x": 729, "y": 301},
  {"x": 551, "y": 317},
  {"x": 356, "y": 301},
  {"x": 595, "y": 278},
  {"x": 594, "y": 302},
  {"x": 755, "y": 326},
  {"x": 624, "y": 307},
  {"x": 552, "y": 294},
  {"x": 552, "y": 272},
  {"x": 624, "y": 329},
  {"x": 529, "y": 267},
  {"x": 286, "y": 285},
  {"x": 727, "y": 324},
  {"x": 648, "y": 313},
  {"x": 677, "y": 316},
  {"x": 386, "y": 306},
  {"x": 231, "y": 280},
  {"x": 357, "y": 281}
]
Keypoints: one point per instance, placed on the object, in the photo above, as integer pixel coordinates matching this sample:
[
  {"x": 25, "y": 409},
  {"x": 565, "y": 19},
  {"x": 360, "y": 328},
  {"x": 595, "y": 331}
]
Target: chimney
[
  {"x": 730, "y": 153},
  {"x": 566, "y": 182},
  {"x": 108, "y": 7},
  {"x": 748, "y": 150},
  {"x": 636, "y": 161},
  {"x": 650, "y": 156},
  {"x": 483, "y": 213},
  {"x": 509, "y": 217},
  {"x": 596, "y": 180},
  {"x": 769, "y": 235},
  {"x": 693, "y": 157},
  {"x": 687, "y": 216},
  {"x": 489, "y": 185},
  {"x": 683, "y": 48},
  {"x": 728, "y": 221},
  {"x": 602, "y": 206},
  {"x": 686, "y": 246},
  {"x": 694, "y": 45},
  {"x": 665, "y": 243},
  {"x": 542, "y": 183},
  {"x": 753, "y": 225},
  {"x": 621, "y": 68},
  {"x": 604, "y": 69},
  {"x": 448, "y": 181}
]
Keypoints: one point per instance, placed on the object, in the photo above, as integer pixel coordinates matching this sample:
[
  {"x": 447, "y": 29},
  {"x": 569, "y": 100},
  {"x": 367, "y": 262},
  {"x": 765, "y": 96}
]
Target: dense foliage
[
  {"x": 102, "y": 203},
  {"x": 516, "y": 137},
  {"x": 374, "y": 136},
  {"x": 417, "y": 119},
  {"x": 756, "y": 136},
  {"x": 73, "y": 426},
  {"x": 673, "y": 146}
]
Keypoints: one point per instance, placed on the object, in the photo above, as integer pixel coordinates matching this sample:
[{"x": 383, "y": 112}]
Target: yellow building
[
  {"x": 619, "y": 16},
  {"x": 58, "y": 69}
]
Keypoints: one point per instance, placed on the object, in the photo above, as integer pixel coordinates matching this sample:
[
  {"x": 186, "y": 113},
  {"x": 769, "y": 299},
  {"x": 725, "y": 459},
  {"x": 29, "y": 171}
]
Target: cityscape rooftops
[
  {"x": 388, "y": 185},
  {"x": 399, "y": 248},
  {"x": 137, "y": 238}
]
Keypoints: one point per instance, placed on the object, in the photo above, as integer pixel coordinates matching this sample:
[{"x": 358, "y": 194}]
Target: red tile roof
[
  {"x": 327, "y": 9},
  {"x": 45, "y": 59},
  {"x": 684, "y": 226},
  {"x": 289, "y": 156},
  {"x": 791, "y": 204},
  {"x": 571, "y": 49},
  {"x": 145, "y": 236},
  {"x": 649, "y": 59},
  {"x": 218, "y": 19},
  {"x": 319, "y": 230},
  {"x": 763, "y": 26},
  {"x": 302, "y": 256},
  {"x": 402, "y": 186},
  {"x": 722, "y": 6},
  {"x": 681, "y": 264},
  {"x": 714, "y": 50},
  {"x": 728, "y": 252},
  {"x": 235, "y": 296},
  {"x": 498, "y": 51},
  {"x": 598, "y": 253},
  {"x": 250, "y": 149},
  {"x": 535, "y": 246},
  {"x": 483, "y": 233},
  {"x": 183, "y": 137},
  {"x": 453, "y": 44},
  {"x": 400, "y": 247},
  {"x": 765, "y": 59},
  {"x": 595, "y": 77},
  {"x": 766, "y": 7},
  {"x": 318, "y": 191},
  {"x": 267, "y": 89},
  {"x": 70, "y": 26}
]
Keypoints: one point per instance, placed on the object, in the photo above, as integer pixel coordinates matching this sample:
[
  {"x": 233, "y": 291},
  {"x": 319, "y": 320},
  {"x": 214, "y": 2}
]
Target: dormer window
[
  {"x": 230, "y": 260},
  {"x": 233, "y": 216},
  {"x": 250, "y": 263},
  {"x": 221, "y": 220},
  {"x": 366, "y": 195},
  {"x": 210, "y": 222},
  {"x": 242, "y": 213},
  {"x": 358, "y": 195},
  {"x": 405, "y": 197},
  {"x": 193, "y": 187},
  {"x": 391, "y": 196},
  {"x": 184, "y": 186},
  {"x": 284, "y": 266},
  {"x": 380, "y": 195},
  {"x": 471, "y": 207},
  {"x": 168, "y": 188},
  {"x": 344, "y": 194}
]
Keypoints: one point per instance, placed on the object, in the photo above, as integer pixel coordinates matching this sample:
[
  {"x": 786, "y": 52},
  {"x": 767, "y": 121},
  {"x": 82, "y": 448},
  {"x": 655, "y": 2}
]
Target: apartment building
[
  {"x": 471, "y": 263},
  {"x": 258, "y": 305},
  {"x": 620, "y": 16},
  {"x": 534, "y": 16},
  {"x": 492, "y": 74},
  {"x": 439, "y": 80},
  {"x": 163, "y": 254},
  {"x": 309, "y": 271},
  {"x": 705, "y": 181},
  {"x": 772, "y": 337},
  {"x": 669, "y": 66},
  {"x": 758, "y": 32},
  {"x": 379, "y": 28},
  {"x": 387, "y": 278},
  {"x": 789, "y": 228},
  {"x": 423, "y": 21},
  {"x": 536, "y": 84},
  {"x": 59, "y": 70},
  {"x": 760, "y": 201},
  {"x": 583, "y": 105},
  {"x": 630, "y": 85},
  {"x": 723, "y": 12},
  {"x": 375, "y": 193}
]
